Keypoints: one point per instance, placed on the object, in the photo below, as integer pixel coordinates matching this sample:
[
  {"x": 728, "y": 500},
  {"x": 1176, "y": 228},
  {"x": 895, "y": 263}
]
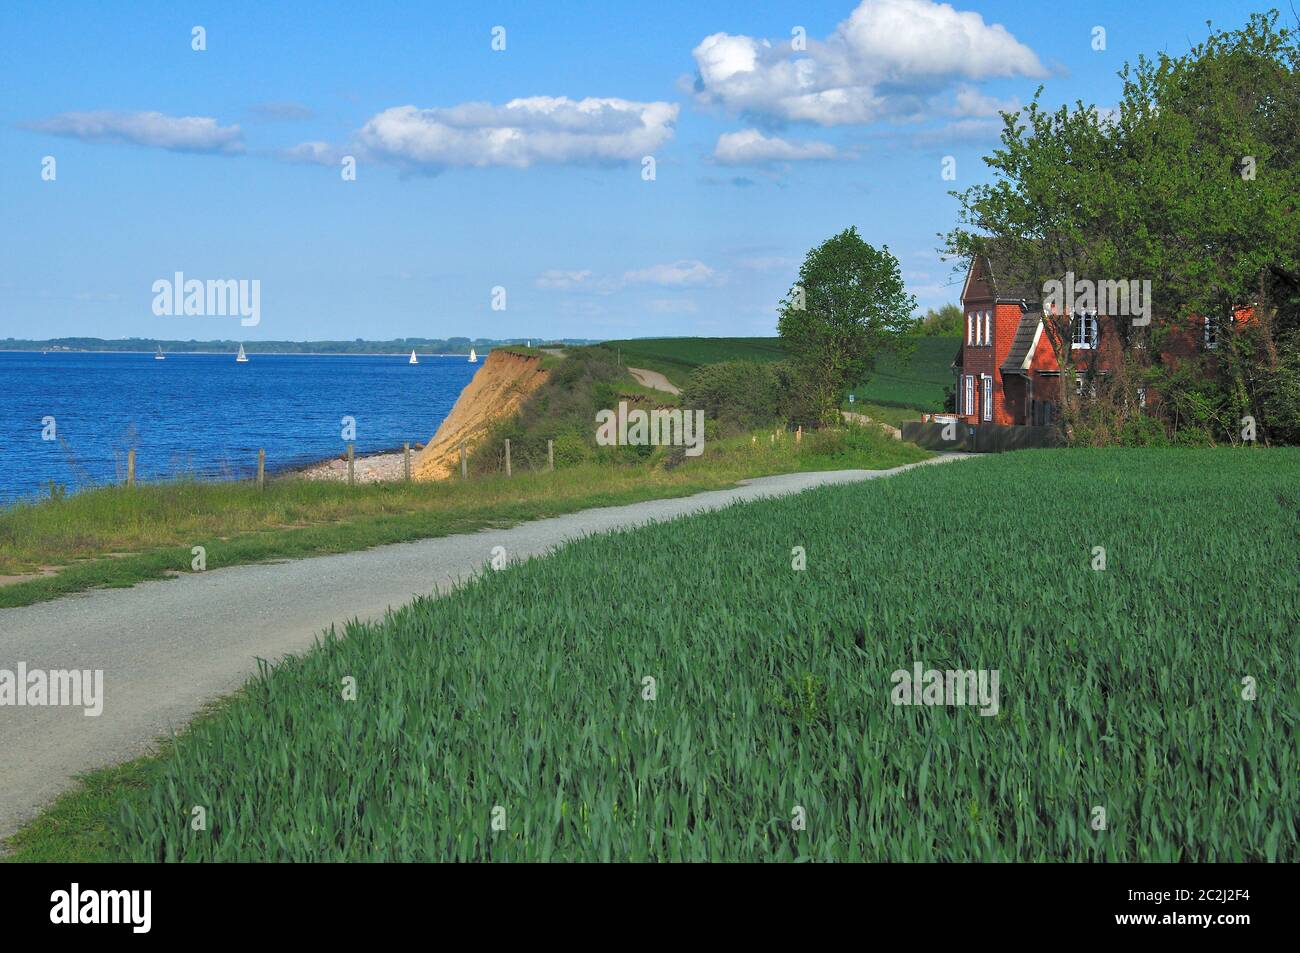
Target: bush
[{"x": 739, "y": 395}]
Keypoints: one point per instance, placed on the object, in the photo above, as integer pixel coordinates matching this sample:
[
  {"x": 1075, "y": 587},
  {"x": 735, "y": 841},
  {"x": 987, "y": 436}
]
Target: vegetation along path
[{"x": 168, "y": 648}]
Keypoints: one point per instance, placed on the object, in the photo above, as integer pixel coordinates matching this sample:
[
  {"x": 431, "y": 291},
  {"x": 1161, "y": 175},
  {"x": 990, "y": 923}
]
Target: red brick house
[{"x": 1006, "y": 371}]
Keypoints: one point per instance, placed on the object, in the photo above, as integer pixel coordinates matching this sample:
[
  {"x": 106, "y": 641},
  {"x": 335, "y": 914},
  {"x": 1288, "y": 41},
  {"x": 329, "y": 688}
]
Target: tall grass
[{"x": 524, "y": 690}]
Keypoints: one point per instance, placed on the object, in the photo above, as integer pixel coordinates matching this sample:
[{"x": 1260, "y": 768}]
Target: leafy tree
[
  {"x": 947, "y": 322},
  {"x": 848, "y": 305}
]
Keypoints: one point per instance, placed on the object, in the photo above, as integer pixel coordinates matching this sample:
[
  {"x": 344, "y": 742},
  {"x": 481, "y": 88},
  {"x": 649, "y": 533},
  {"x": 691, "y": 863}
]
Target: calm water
[{"x": 206, "y": 416}]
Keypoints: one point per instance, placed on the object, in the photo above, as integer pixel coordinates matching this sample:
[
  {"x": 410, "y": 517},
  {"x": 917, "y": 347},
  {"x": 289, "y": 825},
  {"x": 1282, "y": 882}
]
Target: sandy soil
[{"x": 501, "y": 385}]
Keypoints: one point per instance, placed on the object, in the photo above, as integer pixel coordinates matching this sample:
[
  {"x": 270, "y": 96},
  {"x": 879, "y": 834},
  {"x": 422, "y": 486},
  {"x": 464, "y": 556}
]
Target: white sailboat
[
  {"x": 160, "y": 356},
  {"x": 241, "y": 357},
  {"x": 414, "y": 359},
  {"x": 473, "y": 358}
]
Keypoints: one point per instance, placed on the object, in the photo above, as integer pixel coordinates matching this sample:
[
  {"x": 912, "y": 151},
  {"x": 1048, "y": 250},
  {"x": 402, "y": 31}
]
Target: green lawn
[{"x": 1121, "y": 689}]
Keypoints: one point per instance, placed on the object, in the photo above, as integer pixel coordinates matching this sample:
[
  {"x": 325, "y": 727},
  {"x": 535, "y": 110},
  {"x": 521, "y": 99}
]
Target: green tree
[
  {"x": 848, "y": 305},
  {"x": 947, "y": 322}
]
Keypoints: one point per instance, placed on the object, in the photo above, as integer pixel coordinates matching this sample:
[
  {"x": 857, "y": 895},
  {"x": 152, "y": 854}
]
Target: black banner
[{"x": 1216, "y": 903}]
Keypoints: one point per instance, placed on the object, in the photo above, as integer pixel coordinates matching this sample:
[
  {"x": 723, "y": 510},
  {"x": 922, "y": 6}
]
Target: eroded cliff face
[{"x": 503, "y": 383}]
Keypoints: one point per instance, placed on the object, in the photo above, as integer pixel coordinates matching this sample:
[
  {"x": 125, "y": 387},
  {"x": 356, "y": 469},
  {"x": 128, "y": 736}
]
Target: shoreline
[
  {"x": 464, "y": 354},
  {"x": 383, "y": 466}
]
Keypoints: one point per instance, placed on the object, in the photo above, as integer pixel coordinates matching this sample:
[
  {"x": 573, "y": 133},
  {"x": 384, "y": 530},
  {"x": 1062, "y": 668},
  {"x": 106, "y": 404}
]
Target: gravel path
[
  {"x": 168, "y": 647},
  {"x": 649, "y": 378}
]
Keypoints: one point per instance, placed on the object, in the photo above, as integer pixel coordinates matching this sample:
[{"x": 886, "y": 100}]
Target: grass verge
[{"x": 119, "y": 537}]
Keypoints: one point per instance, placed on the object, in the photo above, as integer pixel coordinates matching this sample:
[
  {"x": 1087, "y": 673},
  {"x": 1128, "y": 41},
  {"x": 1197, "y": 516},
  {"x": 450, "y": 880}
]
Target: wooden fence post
[
  {"x": 507, "y": 456},
  {"x": 130, "y": 467},
  {"x": 351, "y": 466},
  {"x": 406, "y": 461},
  {"x": 464, "y": 470},
  {"x": 550, "y": 455},
  {"x": 261, "y": 469},
  {"x": 798, "y": 434}
]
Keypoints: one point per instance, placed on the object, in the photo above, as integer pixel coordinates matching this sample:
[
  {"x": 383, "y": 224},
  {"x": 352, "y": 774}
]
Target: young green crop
[{"x": 526, "y": 689}]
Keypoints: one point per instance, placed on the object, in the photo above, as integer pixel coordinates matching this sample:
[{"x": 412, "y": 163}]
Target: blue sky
[{"x": 519, "y": 168}]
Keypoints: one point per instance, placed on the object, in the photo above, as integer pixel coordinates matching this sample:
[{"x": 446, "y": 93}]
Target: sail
[
  {"x": 473, "y": 358},
  {"x": 414, "y": 359},
  {"x": 242, "y": 358}
]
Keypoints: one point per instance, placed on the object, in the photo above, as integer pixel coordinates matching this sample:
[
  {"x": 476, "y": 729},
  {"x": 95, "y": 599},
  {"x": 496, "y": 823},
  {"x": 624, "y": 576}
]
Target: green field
[
  {"x": 1120, "y": 689},
  {"x": 916, "y": 383},
  {"x": 675, "y": 358}
]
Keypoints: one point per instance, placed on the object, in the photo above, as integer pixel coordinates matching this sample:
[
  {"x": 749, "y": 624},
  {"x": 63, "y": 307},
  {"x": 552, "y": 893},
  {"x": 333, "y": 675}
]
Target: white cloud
[
  {"x": 961, "y": 132},
  {"x": 313, "y": 153},
  {"x": 677, "y": 273},
  {"x": 751, "y": 147},
  {"x": 177, "y": 133},
  {"x": 521, "y": 133},
  {"x": 556, "y": 278},
  {"x": 871, "y": 66},
  {"x": 970, "y": 102}
]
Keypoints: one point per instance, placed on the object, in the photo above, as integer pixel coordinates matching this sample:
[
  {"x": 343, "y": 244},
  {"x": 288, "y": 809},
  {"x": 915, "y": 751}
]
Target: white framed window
[
  {"x": 968, "y": 405},
  {"x": 986, "y": 383},
  {"x": 1212, "y": 326},
  {"x": 970, "y": 328},
  {"x": 1084, "y": 331},
  {"x": 988, "y": 327}
]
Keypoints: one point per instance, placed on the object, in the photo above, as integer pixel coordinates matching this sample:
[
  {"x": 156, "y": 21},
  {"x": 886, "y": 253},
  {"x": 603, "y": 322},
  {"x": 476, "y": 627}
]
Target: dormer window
[{"x": 1084, "y": 331}]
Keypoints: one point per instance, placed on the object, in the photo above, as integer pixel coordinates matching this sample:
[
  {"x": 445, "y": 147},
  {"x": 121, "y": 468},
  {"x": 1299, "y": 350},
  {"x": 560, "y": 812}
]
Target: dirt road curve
[{"x": 654, "y": 379}]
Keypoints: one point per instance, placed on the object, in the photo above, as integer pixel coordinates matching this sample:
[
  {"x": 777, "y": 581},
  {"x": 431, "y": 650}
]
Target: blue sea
[{"x": 203, "y": 415}]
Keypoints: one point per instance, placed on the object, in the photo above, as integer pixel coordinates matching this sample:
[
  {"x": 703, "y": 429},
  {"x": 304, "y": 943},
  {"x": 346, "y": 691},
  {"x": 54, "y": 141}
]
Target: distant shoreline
[{"x": 418, "y": 352}]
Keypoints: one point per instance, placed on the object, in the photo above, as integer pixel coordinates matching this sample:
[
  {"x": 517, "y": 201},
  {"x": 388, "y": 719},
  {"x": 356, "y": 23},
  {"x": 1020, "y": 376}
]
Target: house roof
[
  {"x": 1022, "y": 345},
  {"x": 998, "y": 276}
]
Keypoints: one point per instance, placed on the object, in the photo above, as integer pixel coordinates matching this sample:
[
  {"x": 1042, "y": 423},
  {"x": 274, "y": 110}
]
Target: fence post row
[
  {"x": 351, "y": 466},
  {"x": 550, "y": 455},
  {"x": 406, "y": 461},
  {"x": 464, "y": 471},
  {"x": 130, "y": 467},
  {"x": 507, "y": 456},
  {"x": 261, "y": 469}
]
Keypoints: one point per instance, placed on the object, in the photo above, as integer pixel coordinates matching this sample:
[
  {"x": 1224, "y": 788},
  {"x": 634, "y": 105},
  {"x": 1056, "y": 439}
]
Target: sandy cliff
[{"x": 503, "y": 383}]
